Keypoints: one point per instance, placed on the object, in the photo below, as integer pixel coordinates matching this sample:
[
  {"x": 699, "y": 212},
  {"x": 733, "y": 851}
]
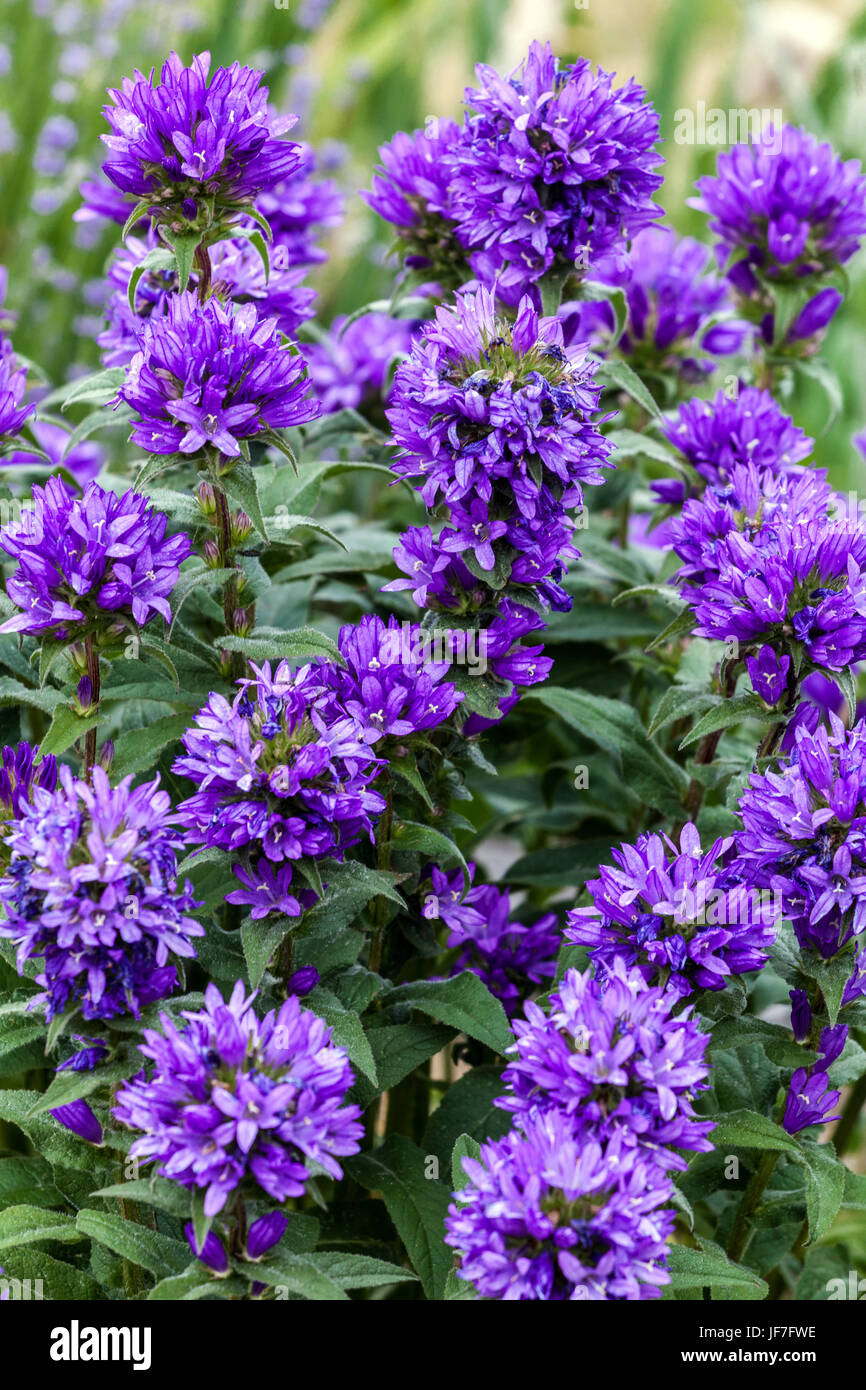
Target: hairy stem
[
  {"x": 741, "y": 1229},
  {"x": 90, "y": 739}
]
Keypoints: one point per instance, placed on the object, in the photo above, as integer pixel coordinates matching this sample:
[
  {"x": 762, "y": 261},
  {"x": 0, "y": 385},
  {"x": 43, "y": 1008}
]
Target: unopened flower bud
[
  {"x": 210, "y": 551},
  {"x": 241, "y": 621},
  {"x": 206, "y": 498},
  {"x": 241, "y": 527}
]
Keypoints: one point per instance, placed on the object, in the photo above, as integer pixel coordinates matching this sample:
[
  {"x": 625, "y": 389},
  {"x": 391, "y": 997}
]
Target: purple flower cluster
[
  {"x": 233, "y": 1101},
  {"x": 275, "y": 773},
  {"x": 391, "y": 685},
  {"x": 196, "y": 137},
  {"x": 497, "y": 422},
  {"x": 553, "y": 169},
  {"x": 716, "y": 435},
  {"x": 756, "y": 505},
  {"x": 23, "y": 770},
  {"x": 676, "y": 307},
  {"x": 785, "y": 208},
  {"x": 299, "y": 207},
  {"x": 13, "y": 382},
  {"x": 786, "y": 202},
  {"x": 803, "y": 835},
  {"x": 206, "y": 377},
  {"x": 800, "y": 587},
  {"x": 614, "y": 1060},
  {"x": 555, "y": 1215},
  {"x": 509, "y": 957},
  {"x": 86, "y": 561},
  {"x": 92, "y": 888},
  {"x": 810, "y": 1099},
  {"x": 684, "y": 917},
  {"x": 412, "y": 191}
]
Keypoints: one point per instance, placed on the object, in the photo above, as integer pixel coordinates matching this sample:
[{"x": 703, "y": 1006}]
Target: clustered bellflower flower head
[
  {"x": 509, "y": 957},
  {"x": 613, "y": 1059},
  {"x": 785, "y": 209},
  {"x": 675, "y": 307},
  {"x": 92, "y": 889},
  {"x": 754, "y": 504},
  {"x": 682, "y": 916},
  {"x": 22, "y": 770},
  {"x": 715, "y": 435},
  {"x": 801, "y": 587},
  {"x": 498, "y": 423},
  {"x": 555, "y": 1215},
  {"x": 803, "y": 835},
  {"x": 89, "y": 561},
  {"x": 276, "y": 774},
  {"x": 13, "y": 414},
  {"x": 206, "y": 377},
  {"x": 233, "y": 1101},
  {"x": 197, "y": 140},
  {"x": 392, "y": 685},
  {"x": 412, "y": 190},
  {"x": 554, "y": 168}
]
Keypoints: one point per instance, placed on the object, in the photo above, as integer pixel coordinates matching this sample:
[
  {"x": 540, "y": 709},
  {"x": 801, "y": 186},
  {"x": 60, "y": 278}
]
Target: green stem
[
  {"x": 90, "y": 738},
  {"x": 384, "y": 862},
  {"x": 741, "y": 1229}
]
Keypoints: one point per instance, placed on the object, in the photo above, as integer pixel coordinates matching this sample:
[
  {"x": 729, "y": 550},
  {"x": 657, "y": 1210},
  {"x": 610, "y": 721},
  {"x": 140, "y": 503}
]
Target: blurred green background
[{"x": 356, "y": 70}]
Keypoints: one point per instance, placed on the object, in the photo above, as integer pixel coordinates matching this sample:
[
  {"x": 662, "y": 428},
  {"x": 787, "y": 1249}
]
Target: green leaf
[
  {"x": 184, "y": 245},
  {"x": 467, "y": 1108},
  {"x": 692, "y": 1271},
  {"x": 69, "y": 1085},
  {"x": 347, "y": 1029},
  {"x": 410, "y": 835},
  {"x": 200, "y": 576},
  {"x": 93, "y": 423},
  {"x": 65, "y": 729},
  {"x": 260, "y": 939},
  {"x": 25, "y": 1224},
  {"x": 464, "y": 1002},
  {"x": 616, "y": 727},
  {"x": 138, "y": 749},
  {"x": 825, "y": 1187},
  {"x": 56, "y": 1144},
  {"x": 745, "y": 1129},
  {"x": 100, "y": 388},
  {"x": 723, "y": 716},
  {"x": 299, "y": 1274},
  {"x": 301, "y": 643},
  {"x": 619, "y": 374},
  {"x": 407, "y": 768},
  {"x": 848, "y": 685},
  {"x": 61, "y": 1282},
  {"x": 416, "y": 1204},
  {"x": 158, "y": 259},
  {"x": 464, "y": 1147},
  {"x": 193, "y": 1284},
  {"x": 141, "y": 209},
  {"x": 679, "y": 702},
  {"x": 398, "y": 1048},
  {"x": 151, "y": 1192},
  {"x": 361, "y": 1271},
  {"x": 150, "y": 1250},
  {"x": 631, "y": 444}
]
